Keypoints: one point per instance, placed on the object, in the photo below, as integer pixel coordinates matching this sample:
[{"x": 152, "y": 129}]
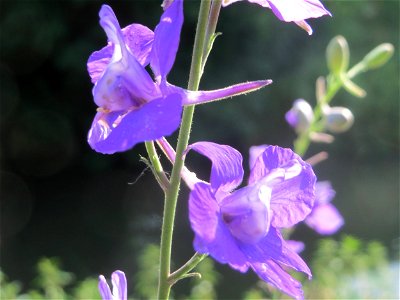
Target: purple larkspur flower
[
  {"x": 133, "y": 107},
  {"x": 324, "y": 218},
  {"x": 119, "y": 291},
  {"x": 291, "y": 10},
  {"x": 242, "y": 227}
]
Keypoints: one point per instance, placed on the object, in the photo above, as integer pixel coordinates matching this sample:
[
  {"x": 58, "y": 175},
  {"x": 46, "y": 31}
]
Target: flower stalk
[{"x": 172, "y": 193}]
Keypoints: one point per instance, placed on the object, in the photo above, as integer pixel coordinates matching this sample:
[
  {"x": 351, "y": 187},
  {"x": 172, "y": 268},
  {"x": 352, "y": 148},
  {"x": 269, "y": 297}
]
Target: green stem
[
  {"x": 171, "y": 196},
  {"x": 156, "y": 164},
  {"x": 187, "y": 267}
]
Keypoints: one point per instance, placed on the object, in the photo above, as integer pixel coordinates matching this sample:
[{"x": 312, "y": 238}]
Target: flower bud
[
  {"x": 338, "y": 55},
  {"x": 300, "y": 115},
  {"x": 378, "y": 56},
  {"x": 338, "y": 119}
]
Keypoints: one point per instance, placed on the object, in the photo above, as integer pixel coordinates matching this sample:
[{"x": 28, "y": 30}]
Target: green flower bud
[
  {"x": 300, "y": 116},
  {"x": 338, "y": 119},
  {"x": 378, "y": 56},
  {"x": 338, "y": 55}
]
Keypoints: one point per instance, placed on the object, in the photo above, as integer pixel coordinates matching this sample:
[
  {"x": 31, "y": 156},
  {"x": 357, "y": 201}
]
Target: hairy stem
[{"x": 171, "y": 195}]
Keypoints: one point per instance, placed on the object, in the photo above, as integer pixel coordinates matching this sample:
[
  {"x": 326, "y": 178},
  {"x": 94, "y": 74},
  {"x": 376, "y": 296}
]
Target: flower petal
[
  {"x": 274, "y": 247},
  {"x": 125, "y": 82},
  {"x": 119, "y": 285},
  {"x": 200, "y": 97},
  {"x": 139, "y": 40},
  {"x": 226, "y": 169},
  {"x": 119, "y": 131},
  {"x": 292, "y": 198},
  {"x": 254, "y": 153},
  {"x": 166, "y": 40},
  {"x": 296, "y": 246},
  {"x": 297, "y": 10},
  {"x": 273, "y": 273},
  {"x": 104, "y": 289},
  {"x": 324, "y": 192},
  {"x": 211, "y": 234},
  {"x": 325, "y": 219}
]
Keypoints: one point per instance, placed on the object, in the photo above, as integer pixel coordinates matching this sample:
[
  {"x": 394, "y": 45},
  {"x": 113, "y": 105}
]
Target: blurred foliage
[{"x": 349, "y": 268}]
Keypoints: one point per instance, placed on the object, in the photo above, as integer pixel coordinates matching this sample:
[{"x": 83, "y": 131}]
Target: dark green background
[{"x": 60, "y": 198}]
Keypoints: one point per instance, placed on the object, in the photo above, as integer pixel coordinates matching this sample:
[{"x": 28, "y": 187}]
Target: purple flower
[
  {"x": 241, "y": 227},
  {"x": 291, "y": 10},
  {"x": 132, "y": 106},
  {"x": 119, "y": 291},
  {"x": 324, "y": 218}
]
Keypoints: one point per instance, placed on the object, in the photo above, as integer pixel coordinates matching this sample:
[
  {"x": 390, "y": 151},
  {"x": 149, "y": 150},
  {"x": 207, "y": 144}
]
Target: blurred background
[{"x": 96, "y": 212}]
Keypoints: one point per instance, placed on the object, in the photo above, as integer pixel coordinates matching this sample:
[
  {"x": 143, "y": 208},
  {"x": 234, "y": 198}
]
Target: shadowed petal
[
  {"x": 273, "y": 273},
  {"x": 116, "y": 132},
  {"x": 273, "y": 246},
  {"x": 200, "y": 97},
  {"x": 325, "y": 219},
  {"x": 226, "y": 170},
  {"x": 166, "y": 40},
  {"x": 211, "y": 234}
]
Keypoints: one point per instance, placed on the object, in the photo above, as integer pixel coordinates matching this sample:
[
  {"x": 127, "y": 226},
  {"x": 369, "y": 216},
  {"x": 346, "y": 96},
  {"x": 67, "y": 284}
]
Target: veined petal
[
  {"x": 293, "y": 197},
  {"x": 211, "y": 234},
  {"x": 200, "y": 97},
  {"x": 104, "y": 289},
  {"x": 297, "y": 10},
  {"x": 166, "y": 40},
  {"x": 226, "y": 170},
  {"x": 119, "y": 285},
  {"x": 273, "y": 273},
  {"x": 254, "y": 153},
  {"x": 120, "y": 131},
  {"x": 325, "y": 219},
  {"x": 139, "y": 40}
]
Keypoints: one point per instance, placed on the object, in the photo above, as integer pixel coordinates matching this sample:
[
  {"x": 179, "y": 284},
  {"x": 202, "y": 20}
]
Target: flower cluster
[{"x": 240, "y": 227}]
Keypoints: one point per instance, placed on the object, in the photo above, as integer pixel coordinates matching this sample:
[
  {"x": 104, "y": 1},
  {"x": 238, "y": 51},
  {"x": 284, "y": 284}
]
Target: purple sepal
[
  {"x": 325, "y": 219},
  {"x": 166, "y": 40},
  {"x": 119, "y": 291},
  {"x": 200, "y": 97},
  {"x": 119, "y": 131},
  {"x": 226, "y": 171}
]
